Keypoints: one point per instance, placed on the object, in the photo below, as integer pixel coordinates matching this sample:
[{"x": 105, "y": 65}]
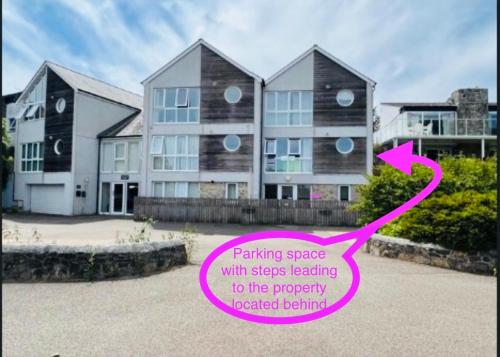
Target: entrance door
[
  {"x": 287, "y": 192},
  {"x": 132, "y": 192},
  {"x": 118, "y": 197}
]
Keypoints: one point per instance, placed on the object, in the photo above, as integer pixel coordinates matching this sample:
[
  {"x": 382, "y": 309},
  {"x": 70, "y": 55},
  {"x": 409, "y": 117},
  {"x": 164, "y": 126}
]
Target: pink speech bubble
[{"x": 401, "y": 158}]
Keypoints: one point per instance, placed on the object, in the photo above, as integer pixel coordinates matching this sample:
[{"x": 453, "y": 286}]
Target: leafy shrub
[
  {"x": 463, "y": 221},
  {"x": 456, "y": 215}
]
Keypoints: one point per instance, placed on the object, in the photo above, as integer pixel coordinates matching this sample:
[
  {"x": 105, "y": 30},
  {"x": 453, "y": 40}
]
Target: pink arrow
[{"x": 401, "y": 158}]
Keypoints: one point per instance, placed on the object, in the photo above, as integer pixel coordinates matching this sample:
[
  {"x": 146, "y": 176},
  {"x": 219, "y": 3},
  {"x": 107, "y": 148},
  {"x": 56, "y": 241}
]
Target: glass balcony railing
[
  {"x": 409, "y": 125},
  {"x": 289, "y": 164}
]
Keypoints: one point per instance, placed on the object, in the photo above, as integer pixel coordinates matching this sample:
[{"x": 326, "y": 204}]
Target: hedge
[{"x": 460, "y": 214}]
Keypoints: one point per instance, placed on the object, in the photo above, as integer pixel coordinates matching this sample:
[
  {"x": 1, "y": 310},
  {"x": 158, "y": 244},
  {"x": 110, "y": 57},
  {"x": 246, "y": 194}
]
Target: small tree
[{"x": 7, "y": 155}]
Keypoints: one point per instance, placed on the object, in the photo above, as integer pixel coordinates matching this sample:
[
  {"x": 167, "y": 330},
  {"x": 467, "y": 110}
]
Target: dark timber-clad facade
[
  {"x": 209, "y": 129},
  {"x": 205, "y": 136},
  {"x": 214, "y": 150},
  {"x": 317, "y": 128},
  {"x": 57, "y": 119}
]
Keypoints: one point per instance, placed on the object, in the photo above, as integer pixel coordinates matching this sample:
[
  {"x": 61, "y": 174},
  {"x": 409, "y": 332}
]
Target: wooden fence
[{"x": 245, "y": 211}]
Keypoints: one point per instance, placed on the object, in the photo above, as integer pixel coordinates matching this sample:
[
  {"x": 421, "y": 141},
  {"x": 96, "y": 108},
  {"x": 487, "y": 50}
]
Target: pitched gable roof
[
  {"x": 87, "y": 84},
  {"x": 327, "y": 55},
  {"x": 191, "y": 48}
]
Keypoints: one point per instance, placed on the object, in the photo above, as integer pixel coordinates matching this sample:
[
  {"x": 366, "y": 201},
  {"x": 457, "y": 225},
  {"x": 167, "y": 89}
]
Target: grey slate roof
[
  {"x": 130, "y": 126},
  {"x": 94, "y": 86}
]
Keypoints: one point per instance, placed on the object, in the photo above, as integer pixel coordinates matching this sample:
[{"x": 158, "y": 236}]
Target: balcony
[{"x": 434, "y": 124}]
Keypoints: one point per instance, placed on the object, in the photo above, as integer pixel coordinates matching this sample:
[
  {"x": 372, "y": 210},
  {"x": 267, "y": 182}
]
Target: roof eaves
[
  {"x": 343, "y": 64},
  {"x": 191, "y": 48},
  {"x": 326, "y": 54}
]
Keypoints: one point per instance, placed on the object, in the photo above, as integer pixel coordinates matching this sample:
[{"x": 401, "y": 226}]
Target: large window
[
  {"x": 120, "y": 156},
  {"x": 288, "y": 154},
  {"x": 176, "y": 189},
  {"x": 175, "y": 153},
  {"x": 292, "y": 108},
  {"x": 176, "y": 105},
  {"x": 32, "y": 157},
  {"x": 34, "y": 104},
  {"x": 431, "y": 123}
]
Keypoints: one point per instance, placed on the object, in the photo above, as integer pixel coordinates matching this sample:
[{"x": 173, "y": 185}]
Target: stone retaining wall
[
  {"x": 431, "y": 254},
  {"x": 30, "y": 263}
]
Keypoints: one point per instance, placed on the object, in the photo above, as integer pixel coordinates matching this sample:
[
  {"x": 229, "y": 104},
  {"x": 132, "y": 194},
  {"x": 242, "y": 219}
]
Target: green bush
[
  {"x": 463, "y": 221},
  {"x": 459, "y": 214}
]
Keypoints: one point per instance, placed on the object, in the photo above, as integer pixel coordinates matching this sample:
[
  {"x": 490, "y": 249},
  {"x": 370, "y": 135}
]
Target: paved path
[{"x": 401, "y": 309}]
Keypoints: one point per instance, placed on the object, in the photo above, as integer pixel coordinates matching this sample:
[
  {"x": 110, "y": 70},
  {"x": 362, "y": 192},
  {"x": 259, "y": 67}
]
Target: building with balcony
[
  {"x": 465, "y": 124},
  {"x": 317, "y": 129},
  {"x": 202, "y": 127}
]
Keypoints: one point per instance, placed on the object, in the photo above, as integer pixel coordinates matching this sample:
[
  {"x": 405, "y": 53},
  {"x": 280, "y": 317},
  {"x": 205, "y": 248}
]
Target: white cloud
[{"x": 414, "y": 50}]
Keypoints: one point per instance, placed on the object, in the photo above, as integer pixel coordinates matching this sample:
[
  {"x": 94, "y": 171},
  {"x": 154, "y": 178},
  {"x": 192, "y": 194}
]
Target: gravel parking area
[{"x": 401, "y": 309}]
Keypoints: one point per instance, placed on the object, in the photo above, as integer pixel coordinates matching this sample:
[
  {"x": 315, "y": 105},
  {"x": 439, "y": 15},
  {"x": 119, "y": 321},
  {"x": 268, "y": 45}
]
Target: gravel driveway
[{"x": 401, "y": 309}]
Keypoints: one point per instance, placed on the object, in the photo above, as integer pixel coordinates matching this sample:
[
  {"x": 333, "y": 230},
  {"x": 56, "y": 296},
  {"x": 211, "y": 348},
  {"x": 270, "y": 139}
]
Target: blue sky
[{"x": 414, "y": 50}]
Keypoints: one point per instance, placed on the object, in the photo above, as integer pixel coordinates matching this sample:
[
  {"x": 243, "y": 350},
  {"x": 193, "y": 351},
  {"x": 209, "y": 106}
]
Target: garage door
[{"x": 47, "y": 199}]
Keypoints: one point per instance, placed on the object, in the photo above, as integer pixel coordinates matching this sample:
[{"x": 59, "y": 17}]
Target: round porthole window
[
  {"x": 58, "y": 147},
  {"x": 344, "y": 145},
  {"x": 232, "y": 142},
  {"x": 60, "y": 105},
  {"x": 345, "y": 97},
  {"x": 232, "y": 94}
]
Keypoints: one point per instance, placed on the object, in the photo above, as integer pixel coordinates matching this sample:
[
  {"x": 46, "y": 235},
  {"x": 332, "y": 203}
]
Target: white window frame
[
  {"x": 184, "y": 105},
  {"x": 348, "y": 192},
  {"x": 186, "y": 100},
  {"x": 164, "y": 156},
  {"x": 345, "y": 152},
  {"x": 225, "y": 145},
  {"x": 237, "y": 190},
  {"x": 30, "y": 103},
  {"x": 226, "y": 91},
  {"x": 289, "y": 146},
  {"x": 293, "y": 155},
  {"x": 39, "y": 158},
  {"x": 265, "y": 147},
  {"x": 120, "y": 158},
  {"x": 114, "y": 144},
  {"x": 164, "y": 185},
  {"x": 289, "y": 111}
]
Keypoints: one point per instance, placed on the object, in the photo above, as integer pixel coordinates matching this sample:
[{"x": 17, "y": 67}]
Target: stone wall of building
[
  {"x": 212, "y": 190},
  {"x": 29, "y": 263},
  {"x": 243, "y": 190},
  {"x": 218, "y": 190},
  {"x": 431, "y": 254},
  {"x": 330, "y": 192},
  {"x": 472, "y": 104}
]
